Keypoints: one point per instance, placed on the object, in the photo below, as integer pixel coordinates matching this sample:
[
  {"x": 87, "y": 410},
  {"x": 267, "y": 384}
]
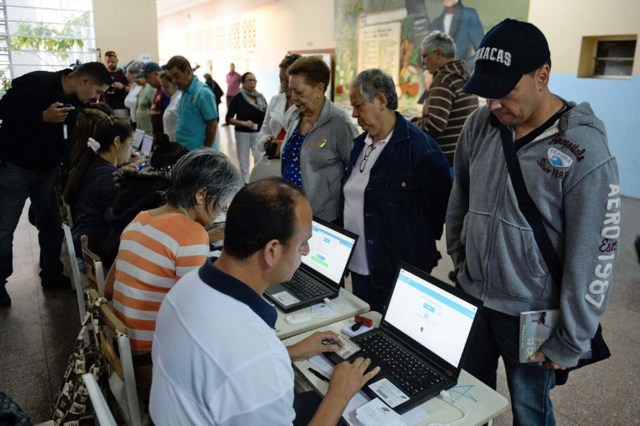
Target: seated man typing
[{"x": 216, "y": 357}]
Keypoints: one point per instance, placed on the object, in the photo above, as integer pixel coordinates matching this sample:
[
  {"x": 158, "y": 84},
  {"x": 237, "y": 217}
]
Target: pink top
[{"x": 233, "y": 83}]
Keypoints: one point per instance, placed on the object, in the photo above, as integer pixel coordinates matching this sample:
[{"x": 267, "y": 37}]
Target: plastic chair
[
  {"x": 76, "y": 278},
  {"x": 66, "y": 214},
  {"x": 100, "y": 406},
  {"x": 95, "y": 272},
  {"x": 122, "y": 380}
]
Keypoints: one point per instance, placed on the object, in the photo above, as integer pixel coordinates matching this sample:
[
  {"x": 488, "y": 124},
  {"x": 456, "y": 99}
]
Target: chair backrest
[
  {"x": 95, "y": 272},
  {"x": 66, "y": 214},
  {"x": 76, "y": 278},
  {"x": 100, "y": 406},
  {"x": 122, "y": 380}
]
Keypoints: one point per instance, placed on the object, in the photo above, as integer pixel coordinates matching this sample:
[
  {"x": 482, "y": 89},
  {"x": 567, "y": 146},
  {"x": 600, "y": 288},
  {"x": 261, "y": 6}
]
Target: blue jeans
[
  {"x": 497, "y": 335},
  {"x": 16, "y": 185}
]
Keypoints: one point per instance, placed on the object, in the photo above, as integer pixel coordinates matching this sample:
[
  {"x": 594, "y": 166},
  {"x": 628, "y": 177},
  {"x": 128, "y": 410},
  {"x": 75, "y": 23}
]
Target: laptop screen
[
  {"x": 433, "y": 317},
  {"x": 138, "y": 135},
  {"x": 329, "y": 251},
  {"x": 147, "y": 144}
]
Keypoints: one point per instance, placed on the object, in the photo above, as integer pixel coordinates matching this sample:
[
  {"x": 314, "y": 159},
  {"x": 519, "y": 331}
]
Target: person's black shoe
[
  {"x": 57, "y": 283},
  {"x": 5, "y": 300}
]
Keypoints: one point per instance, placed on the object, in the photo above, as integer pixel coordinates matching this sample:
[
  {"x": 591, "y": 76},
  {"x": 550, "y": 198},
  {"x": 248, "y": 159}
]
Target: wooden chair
[
  {"x": 113, "y": 340},
  {"x": 95, "y": 272},
  {"x": 100, "y": 406},
  {"x": 76, "y": 278}
]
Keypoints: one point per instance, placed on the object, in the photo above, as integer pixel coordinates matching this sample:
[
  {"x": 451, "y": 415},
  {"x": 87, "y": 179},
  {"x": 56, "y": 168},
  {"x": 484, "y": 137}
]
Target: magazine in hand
[{"x": 535, "y": 328}]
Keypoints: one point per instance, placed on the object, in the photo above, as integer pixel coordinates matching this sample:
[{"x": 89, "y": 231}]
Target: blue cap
[{"x": 148, "y": 67}]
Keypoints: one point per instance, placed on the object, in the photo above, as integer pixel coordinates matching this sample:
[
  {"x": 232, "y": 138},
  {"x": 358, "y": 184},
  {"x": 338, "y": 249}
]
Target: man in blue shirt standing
[{"x": 197, "y": 113}]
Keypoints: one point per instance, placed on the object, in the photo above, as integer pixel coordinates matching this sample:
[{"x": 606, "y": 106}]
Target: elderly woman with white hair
[{"x": 395, "y": 190}]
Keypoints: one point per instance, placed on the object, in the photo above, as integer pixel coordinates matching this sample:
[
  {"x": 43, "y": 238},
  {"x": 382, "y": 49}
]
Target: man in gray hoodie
[{"x": 572, "y": 179}]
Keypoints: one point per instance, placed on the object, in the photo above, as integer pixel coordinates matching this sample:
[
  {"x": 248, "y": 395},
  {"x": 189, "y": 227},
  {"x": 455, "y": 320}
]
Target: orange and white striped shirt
[{"x": 155, "y": 251}]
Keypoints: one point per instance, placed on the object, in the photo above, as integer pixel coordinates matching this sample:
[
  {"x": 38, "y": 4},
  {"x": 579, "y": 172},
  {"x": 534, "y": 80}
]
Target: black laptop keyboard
[
  {"x": 304, "y": 287},
  {"x": 413, "y": 375}
]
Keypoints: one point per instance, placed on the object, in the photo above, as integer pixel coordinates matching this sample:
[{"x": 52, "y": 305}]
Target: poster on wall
[{"x": 387, "y": 34}]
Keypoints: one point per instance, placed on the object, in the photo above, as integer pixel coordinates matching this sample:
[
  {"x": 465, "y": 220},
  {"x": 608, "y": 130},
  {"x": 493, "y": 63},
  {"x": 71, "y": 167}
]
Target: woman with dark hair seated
[
  {"x": 141, "y": 188},
  {"x": 91, "y": 187}
]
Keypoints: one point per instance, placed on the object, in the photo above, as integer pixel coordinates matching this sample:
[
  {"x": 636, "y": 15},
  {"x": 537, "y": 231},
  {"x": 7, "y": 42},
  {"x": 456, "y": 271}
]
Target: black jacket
[
  {"x": 139, "y": 191},
  {"x": 405, "y": 203},
  {"x": 25, "y": 139}
]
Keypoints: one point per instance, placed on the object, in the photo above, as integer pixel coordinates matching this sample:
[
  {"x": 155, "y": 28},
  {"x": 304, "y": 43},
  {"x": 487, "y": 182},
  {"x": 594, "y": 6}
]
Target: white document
[
  {"x": 321, "y": 364},
  {"x": 377, "y": 413},
  {"x": 285, "y": 298},
  {"x": 349, "y": 413},
  {"x": 388, "y": 392}
]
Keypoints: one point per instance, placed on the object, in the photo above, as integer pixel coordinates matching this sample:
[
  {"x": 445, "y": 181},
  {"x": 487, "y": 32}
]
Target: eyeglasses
[
  {"x": 251, "y": 80},
  {"x": 367, "y": 153},
  {"x": 292, "y": 56},
  {"x": 110, "y": 53}
]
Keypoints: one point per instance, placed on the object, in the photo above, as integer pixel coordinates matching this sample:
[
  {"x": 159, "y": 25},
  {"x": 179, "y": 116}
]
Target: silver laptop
[
  {"x": 421, "y": 342},
  {"x": 147, "y": 145},
  {"x": 322, "y": 271},
  {"x": 138, "y": 135}
]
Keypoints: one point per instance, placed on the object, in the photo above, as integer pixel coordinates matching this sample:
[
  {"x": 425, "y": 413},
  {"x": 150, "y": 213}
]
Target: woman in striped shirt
[{"x": 161, "y": 245}]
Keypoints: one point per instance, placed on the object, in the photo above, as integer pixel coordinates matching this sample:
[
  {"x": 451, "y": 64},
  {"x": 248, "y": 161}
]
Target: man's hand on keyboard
[{"x": 348, "y": 378}]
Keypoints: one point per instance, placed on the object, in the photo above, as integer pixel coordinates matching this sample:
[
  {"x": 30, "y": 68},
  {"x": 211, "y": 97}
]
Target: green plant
[
  {"x": 47, "y": 38},
  {"x": 5, "y": 79}
]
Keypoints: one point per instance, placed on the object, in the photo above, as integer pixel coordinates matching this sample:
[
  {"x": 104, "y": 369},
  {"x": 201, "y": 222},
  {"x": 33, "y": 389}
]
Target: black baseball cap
[{"x": 508, "y": 51}]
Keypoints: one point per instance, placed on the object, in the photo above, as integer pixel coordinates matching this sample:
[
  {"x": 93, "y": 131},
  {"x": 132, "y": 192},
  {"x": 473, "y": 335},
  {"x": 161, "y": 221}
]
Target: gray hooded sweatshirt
[{"x": 573, "y": 179}]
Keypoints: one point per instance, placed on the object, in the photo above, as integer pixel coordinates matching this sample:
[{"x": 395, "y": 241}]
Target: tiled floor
[{"x": 37, "y": 333}]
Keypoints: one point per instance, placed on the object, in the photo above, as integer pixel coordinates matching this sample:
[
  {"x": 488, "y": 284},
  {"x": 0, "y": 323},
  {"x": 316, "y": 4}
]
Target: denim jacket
[{"x": 405, "y": 203}]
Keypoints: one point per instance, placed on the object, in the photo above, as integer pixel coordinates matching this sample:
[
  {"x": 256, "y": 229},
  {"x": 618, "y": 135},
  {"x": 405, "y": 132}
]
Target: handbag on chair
[{"x": 72, "y": 404}]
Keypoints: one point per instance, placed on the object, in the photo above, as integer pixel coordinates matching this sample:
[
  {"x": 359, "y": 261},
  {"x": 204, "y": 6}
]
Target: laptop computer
[
  {"x": 321, "y": 273},
  {"x": 147, "y": 145},
  {"x": 421, "y": 342},
  {"x": 138, "y": 135}
]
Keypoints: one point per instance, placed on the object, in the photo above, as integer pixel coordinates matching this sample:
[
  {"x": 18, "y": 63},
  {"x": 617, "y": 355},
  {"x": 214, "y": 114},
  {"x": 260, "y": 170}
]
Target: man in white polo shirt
[{"x": 216, "y": 357}]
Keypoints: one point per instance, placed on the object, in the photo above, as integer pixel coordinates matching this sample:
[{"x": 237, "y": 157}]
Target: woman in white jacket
[{"x": 280, "y": 112}]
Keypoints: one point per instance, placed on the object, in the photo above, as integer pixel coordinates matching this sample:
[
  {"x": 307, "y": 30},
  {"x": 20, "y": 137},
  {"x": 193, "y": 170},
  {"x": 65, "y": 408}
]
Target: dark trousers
[
  {"x": 497, "y": 335},
  {"x": 16, "y": 185},
  {"x": 363, "y": 288}
]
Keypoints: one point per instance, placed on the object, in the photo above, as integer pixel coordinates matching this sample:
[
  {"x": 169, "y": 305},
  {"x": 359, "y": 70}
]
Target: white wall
[
  {"x": 565, "y": 22},
  {"x": 280, "y": 26},
  {"x": 615, "y": 101},
  {"x": 128, "y": 27}
]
